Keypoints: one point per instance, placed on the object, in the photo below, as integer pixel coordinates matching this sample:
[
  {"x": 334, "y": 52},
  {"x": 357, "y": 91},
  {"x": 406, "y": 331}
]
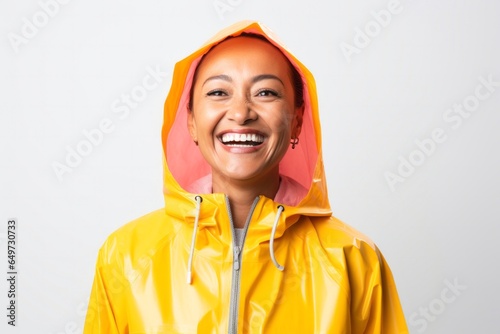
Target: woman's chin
[{"x": 242, "y": 174}]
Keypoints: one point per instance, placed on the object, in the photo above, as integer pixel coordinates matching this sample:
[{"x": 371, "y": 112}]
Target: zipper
[{"x": 234, "y": 301}]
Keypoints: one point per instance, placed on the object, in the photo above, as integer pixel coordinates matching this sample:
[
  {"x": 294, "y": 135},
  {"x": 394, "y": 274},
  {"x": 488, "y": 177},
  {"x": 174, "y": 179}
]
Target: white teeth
[{"x": 253, "y": 138}]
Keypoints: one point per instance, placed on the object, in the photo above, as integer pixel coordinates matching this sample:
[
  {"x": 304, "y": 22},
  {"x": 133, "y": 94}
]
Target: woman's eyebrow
[
  {"x": 218, "y": 77},
  {"x": 266, "y": 76}
]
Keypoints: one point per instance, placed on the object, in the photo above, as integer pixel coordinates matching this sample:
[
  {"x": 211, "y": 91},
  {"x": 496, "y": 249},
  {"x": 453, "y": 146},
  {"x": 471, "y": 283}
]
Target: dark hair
[{"x": 298, "y": 85}]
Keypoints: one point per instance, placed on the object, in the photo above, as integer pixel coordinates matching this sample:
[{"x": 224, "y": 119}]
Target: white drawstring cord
[
  {"x": 193, "y": 240},
  {"x": 271, "y": 242}
]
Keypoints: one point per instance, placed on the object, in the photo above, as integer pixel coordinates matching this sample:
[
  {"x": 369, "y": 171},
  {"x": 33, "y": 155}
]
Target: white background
[{"x": 440, "y": 225}]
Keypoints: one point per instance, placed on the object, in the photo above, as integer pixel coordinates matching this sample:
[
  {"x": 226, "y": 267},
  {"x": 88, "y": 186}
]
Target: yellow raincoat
[{"x": 176, "y": 270}]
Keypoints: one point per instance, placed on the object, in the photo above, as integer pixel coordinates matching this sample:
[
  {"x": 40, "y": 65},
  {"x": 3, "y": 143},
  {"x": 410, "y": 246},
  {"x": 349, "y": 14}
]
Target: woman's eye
[
  {"x": 267, "y": 92},
  {"x": 217, "y": 92}
]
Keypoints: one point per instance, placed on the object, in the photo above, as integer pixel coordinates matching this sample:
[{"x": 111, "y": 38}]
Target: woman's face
[{"x": 243, "y": 113}]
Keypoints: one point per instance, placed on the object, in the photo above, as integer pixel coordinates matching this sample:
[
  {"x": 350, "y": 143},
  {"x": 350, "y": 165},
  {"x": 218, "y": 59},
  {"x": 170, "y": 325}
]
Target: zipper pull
[{"x": 237, "y": 251}]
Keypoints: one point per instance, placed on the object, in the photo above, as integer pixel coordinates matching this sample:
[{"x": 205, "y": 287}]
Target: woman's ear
[
  {"x": 297, "y": 126},
  {"x": 191, "y": 124}
]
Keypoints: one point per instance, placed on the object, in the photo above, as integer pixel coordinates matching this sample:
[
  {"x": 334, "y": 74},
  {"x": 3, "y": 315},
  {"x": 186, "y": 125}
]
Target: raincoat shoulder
[
  {"x": 374, "y": 305},
  {"x": 125, "y": 256}
]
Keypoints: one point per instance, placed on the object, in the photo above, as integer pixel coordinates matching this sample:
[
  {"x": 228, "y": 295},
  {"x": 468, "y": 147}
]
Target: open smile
[{"x": 234, "y": 139}]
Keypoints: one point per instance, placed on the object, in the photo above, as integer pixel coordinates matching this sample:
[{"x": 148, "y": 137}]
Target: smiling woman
[{"x": 246, "y": 242}]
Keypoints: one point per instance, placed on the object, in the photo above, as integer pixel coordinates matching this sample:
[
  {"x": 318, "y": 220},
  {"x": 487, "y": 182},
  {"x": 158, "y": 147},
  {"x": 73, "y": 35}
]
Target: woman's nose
[{"x": 241, "y": 111}]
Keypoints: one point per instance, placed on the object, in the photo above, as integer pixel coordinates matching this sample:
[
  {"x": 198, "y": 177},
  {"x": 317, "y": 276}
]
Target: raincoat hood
[{"x": 183, "y": 163}]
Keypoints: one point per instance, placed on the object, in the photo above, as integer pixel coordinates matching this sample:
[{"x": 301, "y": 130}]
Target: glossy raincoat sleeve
[
  {"x": 375, "y": 304},
  {"x": 105, "y": 300}
]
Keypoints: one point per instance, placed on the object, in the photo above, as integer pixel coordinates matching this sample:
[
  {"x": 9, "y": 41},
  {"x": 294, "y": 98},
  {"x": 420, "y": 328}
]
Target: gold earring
[{"x": 294, "y": 141}]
